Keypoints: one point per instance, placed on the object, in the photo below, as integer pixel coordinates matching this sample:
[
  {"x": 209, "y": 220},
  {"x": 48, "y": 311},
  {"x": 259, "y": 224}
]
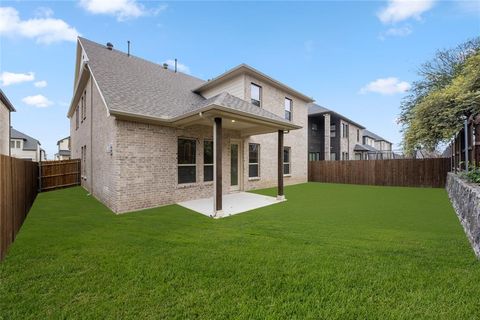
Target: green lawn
[{"x": 331, "y": 251}]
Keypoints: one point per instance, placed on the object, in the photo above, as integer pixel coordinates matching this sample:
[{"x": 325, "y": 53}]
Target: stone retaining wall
[{"x": 465, "y": 198}]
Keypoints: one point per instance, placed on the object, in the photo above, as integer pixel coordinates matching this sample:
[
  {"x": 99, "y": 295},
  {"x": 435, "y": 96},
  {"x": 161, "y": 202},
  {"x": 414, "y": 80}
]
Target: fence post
[{"x": 465, "y": 134}]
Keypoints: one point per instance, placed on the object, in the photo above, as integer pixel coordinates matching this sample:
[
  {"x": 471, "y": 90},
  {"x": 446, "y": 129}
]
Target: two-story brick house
[
  {"x": 331, "y": 136},
  {"x": 64, "y": 152},
  {"x": 6, "y": 108},
  {"x": 148, "y": 136}
]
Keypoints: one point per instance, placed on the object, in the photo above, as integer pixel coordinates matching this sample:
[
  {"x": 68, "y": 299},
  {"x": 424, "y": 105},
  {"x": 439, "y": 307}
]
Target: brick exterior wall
[
  {"x": 97, "y": 136},
  {"x": 141, "y": 169},
  {"x": 4, "y": 129}
]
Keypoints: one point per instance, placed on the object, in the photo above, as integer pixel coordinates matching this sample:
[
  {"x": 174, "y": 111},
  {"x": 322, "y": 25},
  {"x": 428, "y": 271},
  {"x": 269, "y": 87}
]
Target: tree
[{"x": 448, "y": 89}]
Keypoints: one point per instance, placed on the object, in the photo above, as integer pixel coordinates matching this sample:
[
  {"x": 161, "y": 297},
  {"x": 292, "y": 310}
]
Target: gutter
[{"x": 171, "y": 120}]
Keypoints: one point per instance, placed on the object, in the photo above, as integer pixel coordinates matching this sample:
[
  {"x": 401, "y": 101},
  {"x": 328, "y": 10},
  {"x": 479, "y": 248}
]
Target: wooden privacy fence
[
  {"x": 18, "y": 189},
  {"x": 398, "y": 172},
  {"x": 59, "y": 174}
]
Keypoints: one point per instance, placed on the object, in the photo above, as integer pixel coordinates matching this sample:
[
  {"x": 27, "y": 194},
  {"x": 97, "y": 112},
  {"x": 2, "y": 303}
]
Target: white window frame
[
  {"x": 289, "y": 163},
  {"x": 254, "y": 163},
  {"x": 259, "y": 94},
  {"x": 187, "y": 164},
  {"x": 289, "y": 111},
  {"x": 207, "y": 164},
  {"x": 333, "y": 131}
]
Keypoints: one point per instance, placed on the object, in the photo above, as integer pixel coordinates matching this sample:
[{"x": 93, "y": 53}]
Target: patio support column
[
  {"x": 217, "y": 152},
  {"x": 280, "y": 195}
]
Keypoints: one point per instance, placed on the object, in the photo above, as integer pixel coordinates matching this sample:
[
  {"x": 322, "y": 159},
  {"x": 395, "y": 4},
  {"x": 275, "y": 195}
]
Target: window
[
  {"x": 333, "y": 156},
  {"x": 288, "y": 109},
  {"x": 253, "y": 160},
  {"x": 314, "y": 127},
  {"x": 84, "y": 161},
  {"x": 84, "y": 105},
  {"x": 344, "y": 130},
  {"x": 358, "y": 135},
  {"x": 344, "y": 155},
  {"x": 286, "y": 160},
  {"x": 12, "y": 144},
  {"x": 81, "y": 109},
  {"x": 207, "y": 160},
  {"x": 333, "y": 131},
  {"x": 314, "y": 156},
  {"x": 76, "y": 118},
  {"x": 18, "y": 144},
  {"x": 255, "y": 94},
  {"x": 187, "y": 165}
]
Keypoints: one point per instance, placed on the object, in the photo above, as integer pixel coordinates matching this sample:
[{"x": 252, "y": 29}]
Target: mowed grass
[{"x": 329, "y": 252}]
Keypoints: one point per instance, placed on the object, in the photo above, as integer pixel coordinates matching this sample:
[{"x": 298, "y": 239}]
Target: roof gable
[
  {"x": 29, "y": 143},
  {"x": 6, "y": 102},
  {"x": 246, "y": 69},
  {"x": 132, "y": 84}
]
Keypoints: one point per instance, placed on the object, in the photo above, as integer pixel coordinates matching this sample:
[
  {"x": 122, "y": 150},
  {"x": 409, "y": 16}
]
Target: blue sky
[{"x": 356, "y": 58}]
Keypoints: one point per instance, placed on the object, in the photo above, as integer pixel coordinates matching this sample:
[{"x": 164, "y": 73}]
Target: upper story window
[
  {"x": 255, "y": 94},
  {"x": 187, "y": 163},
  {"x": 84, "y": 105},
  {"x": 314, "y": 127},
  {"x": 333, "y": 131},
  {"x": 15, "y": 144},
  {"x": 344, "y": 130},
  {"x": 288, "y": 109},
  {"x": 76, "y": 118}
]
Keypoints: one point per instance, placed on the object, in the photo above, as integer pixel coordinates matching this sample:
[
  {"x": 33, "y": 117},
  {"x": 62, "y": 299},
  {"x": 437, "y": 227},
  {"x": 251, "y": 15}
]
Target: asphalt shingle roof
[
  {"x": 29, "y": 143},
  {"x": 315, "y": 109},
  {"x": 364, "y": 147},
  {"x": 133, "y": 85},
  {"x": 373, "y": 135}
]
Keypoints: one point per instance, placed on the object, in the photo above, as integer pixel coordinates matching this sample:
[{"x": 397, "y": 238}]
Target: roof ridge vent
[{"x": 109, "y": 46}]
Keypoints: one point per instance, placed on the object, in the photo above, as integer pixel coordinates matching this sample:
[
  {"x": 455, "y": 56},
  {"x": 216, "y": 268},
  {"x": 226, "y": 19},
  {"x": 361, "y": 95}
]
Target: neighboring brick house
[
  {"x": 63, "y": 149},
  {"x": 374, "y": 147},
  {"x": 23, "y": 146},
  {"x": 5, "y": 122},
  {"x": 331, "y": 136},
  {"x": 148, "y": 136}
]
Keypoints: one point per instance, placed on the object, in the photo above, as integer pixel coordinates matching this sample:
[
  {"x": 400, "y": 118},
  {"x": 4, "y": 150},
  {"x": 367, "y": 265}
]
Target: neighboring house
[
  {"x": 63, "y": 149},
  {"x": 148, "y": 136},
  {"x": 25, "y": 147},
  {"x": 374, "y": 147},
  {"x": 5, "y": 108},
  {"x": 331, "y": 136}
]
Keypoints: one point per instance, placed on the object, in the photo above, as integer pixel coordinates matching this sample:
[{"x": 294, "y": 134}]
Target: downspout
[
  {"x": 91, "y": 134},
  {"x": 9, "y": 132}
]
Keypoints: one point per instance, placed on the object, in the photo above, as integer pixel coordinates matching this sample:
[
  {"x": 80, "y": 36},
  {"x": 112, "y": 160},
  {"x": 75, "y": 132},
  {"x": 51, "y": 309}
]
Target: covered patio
[
  {"x": 233, "y": 203},
  {"x": 231, "y": 113}
]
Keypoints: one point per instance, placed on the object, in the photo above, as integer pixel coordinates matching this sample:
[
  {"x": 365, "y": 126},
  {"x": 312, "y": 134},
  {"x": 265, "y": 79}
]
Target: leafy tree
[{"x": 449, "y": 89}]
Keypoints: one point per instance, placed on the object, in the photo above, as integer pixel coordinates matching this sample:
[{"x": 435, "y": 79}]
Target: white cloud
[
  {"x": 38, "y": 101},
  {"x": 43, "y": 12},
  {"x": 400, "y": 10},
  {"x": 399, "y": 32},
  {"x": 40, "y": 84},
  {"x": 44, "y": 30},
  {"x": 396, "y": 32},
  {"x": 180, "y": 67},
  {"x": 122, "y": 9},
  {"x": 8, "y": 78},
  {"x": 386, "y": 86}
]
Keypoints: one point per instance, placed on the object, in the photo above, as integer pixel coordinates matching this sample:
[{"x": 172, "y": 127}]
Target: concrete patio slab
[{"x": 233, "y": 203}]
